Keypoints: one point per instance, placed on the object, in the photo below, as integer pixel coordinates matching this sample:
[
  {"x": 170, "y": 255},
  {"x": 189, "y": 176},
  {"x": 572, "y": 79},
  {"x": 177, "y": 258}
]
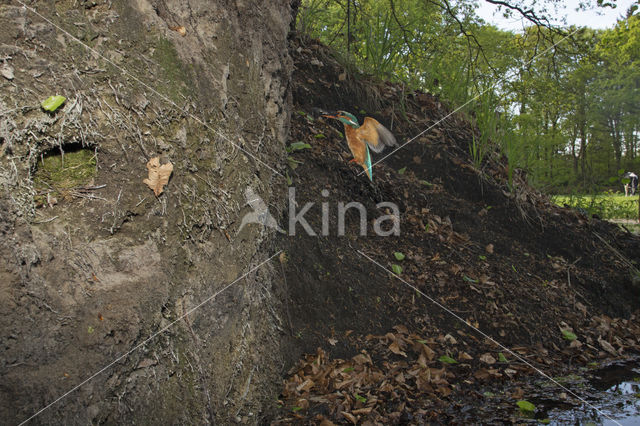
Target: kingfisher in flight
[{"x": 371, "y": 134}]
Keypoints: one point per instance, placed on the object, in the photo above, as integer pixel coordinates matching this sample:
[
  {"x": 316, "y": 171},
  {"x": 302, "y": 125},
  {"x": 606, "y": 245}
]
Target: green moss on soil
[
  {"x": 173, "y": 73},
  {"x": 58, "y": 173}
]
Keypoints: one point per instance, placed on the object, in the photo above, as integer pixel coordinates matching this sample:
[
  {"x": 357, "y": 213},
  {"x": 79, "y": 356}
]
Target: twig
[{"x": 46, "y": 221}]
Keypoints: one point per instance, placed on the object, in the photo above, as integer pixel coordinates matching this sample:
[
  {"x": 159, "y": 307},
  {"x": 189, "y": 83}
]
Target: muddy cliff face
[{"x": 92, "y": 262}]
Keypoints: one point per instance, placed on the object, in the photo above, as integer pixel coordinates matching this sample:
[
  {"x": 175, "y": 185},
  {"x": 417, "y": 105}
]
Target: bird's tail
[{"x": 367, "y": 164}]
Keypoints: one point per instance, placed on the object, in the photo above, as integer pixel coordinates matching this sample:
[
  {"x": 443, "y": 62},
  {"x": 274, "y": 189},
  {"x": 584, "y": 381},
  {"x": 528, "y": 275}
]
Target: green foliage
[
  {"x": 398, "y": 255},
  {"x": 502, "y": 358},
  {"x": 298, "y": 146},
  {"x": 397, "y": 269},
  {"x": 606, "y": 206},
  {"x": 360, "y": 398},
  {"x": 566, "y": 111},
  {"x": 526, "y": 406},
  {"x": 568, "y": 335},
  {"x": 447, "y": 359},
  {"x": 52, "y": 103}
]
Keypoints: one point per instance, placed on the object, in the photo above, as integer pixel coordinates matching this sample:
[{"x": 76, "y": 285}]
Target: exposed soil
[
  {"x": 90, "y": 270},
  {"x": 494, "y": 252}
]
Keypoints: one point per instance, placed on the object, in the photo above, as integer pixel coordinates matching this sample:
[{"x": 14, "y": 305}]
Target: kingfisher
[{"x": 371, "y": 134}]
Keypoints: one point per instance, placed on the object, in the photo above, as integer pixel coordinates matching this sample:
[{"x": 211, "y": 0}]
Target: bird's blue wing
[{"x": 368, "y": 163}]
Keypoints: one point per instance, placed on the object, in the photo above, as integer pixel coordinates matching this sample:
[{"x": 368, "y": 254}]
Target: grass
[
  {"x": 607, "y": 206},
  {"x": 58, "y": 176}
]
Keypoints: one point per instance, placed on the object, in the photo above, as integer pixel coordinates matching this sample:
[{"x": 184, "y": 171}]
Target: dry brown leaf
[
  {"x": 332, "y": 341},
  {"x": 607, "y": 346},
  {"x": 350, "y": 417},
  {"x": 305, "y": 386},
  {"x": 489, "y": 248},
  {"x": 396, "y": 349},
  {"x": 158, "y": 175},
  {"x": 464, "y": 356},
  {"x": 401, "y": 329},
  {"x": 487, "y": 358}
]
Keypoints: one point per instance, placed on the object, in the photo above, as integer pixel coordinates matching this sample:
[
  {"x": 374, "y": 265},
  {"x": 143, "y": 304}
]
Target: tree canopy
[{"x": 562, "y": 102}]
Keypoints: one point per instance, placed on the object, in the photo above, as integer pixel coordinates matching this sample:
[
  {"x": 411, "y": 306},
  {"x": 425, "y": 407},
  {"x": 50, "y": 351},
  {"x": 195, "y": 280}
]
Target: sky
[{"x": 590, "y": 18}]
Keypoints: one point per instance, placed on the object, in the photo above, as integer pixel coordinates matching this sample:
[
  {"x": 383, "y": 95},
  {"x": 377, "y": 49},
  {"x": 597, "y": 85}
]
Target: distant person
[{"x": 631, "y": 186}]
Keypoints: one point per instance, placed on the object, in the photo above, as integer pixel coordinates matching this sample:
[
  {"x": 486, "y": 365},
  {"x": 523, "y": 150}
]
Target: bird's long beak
[{"x": 329, "y": 116}]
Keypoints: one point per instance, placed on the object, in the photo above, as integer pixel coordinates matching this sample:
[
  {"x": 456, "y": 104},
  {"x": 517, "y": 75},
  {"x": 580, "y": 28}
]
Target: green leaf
[
  {"x": 426, "y": 228},
  {"x": 569, "y": 335},
  {"x": 470, "y": 280},
  {"x": 526, "y": 406},
  {"x": 90, "y": 330},
  {"x": 293, "y": 163},
  {"x": 52, "y": 103},
  {"x": 402, "y": 170},
  {"x": 397, "y": 269},
  {"x": 319, "y": 136},
  {"x": 501, "y": 357},
  {"x": 297, "y": 146},
  {"x": 482, "y": 257},
  {"x": 545, "y": 421},
  {"x": 447, "y": 359},
  {"x": 289, "y": 180},
  {"x": 360, "y": 398},
  {"x": 348, "y": 370},
  {"x": 296, "y": 409},
  {"x": 489, "y": 394},
  {"x": 399, "y": 256},
  {"x": 426, "y": 183}
]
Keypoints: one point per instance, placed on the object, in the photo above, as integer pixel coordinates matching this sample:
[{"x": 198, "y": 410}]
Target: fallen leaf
[
  {"x": 332, "y": 341},
  {"x": 350, "y": 417},
  {"x": 52, "y": 103},
  {"x": 489, "y": 248},
  {"x": 396, "y": 349},
  {"x": 607, "y": 346},
  {"x": 526, "y": 406},
  {"x": 158, "y": 175},
  {"x": 464, "y": 356},
  {"x": 342, "y": 77},
  {"x": 487, "y": 358},
  {"x": 305, "y": 386}
]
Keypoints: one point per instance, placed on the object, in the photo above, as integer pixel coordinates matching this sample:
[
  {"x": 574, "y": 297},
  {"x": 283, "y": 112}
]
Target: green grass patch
[
  {"x": 607, "y": 206},
  {"x": 57, "y": 174}
]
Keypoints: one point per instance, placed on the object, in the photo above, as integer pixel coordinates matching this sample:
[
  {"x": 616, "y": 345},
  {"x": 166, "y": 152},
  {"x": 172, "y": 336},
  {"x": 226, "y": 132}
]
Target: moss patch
[
  {"x": 174, "y": 76},
  {"x": 58, "y": 174}
]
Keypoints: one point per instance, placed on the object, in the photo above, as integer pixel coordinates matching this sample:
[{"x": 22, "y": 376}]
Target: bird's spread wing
[{"x": 376, "y": 135}]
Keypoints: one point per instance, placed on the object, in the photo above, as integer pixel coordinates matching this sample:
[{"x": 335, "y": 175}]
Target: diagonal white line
[
  {"x": 163, "y": 97},
  {"x": 477, "y": 330},
  {"x": 144, "y": 342},
  {"x": 466, "y": 103}
]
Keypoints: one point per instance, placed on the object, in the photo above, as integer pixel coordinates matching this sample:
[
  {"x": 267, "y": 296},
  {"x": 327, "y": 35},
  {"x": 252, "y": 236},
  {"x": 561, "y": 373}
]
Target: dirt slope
[
  {"x": 503, "y": 259},
  {"x": 88, "y": 272}
]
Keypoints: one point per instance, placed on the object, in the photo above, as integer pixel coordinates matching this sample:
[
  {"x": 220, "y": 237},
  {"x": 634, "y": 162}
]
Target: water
[{"x": 613, "y": 396}]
